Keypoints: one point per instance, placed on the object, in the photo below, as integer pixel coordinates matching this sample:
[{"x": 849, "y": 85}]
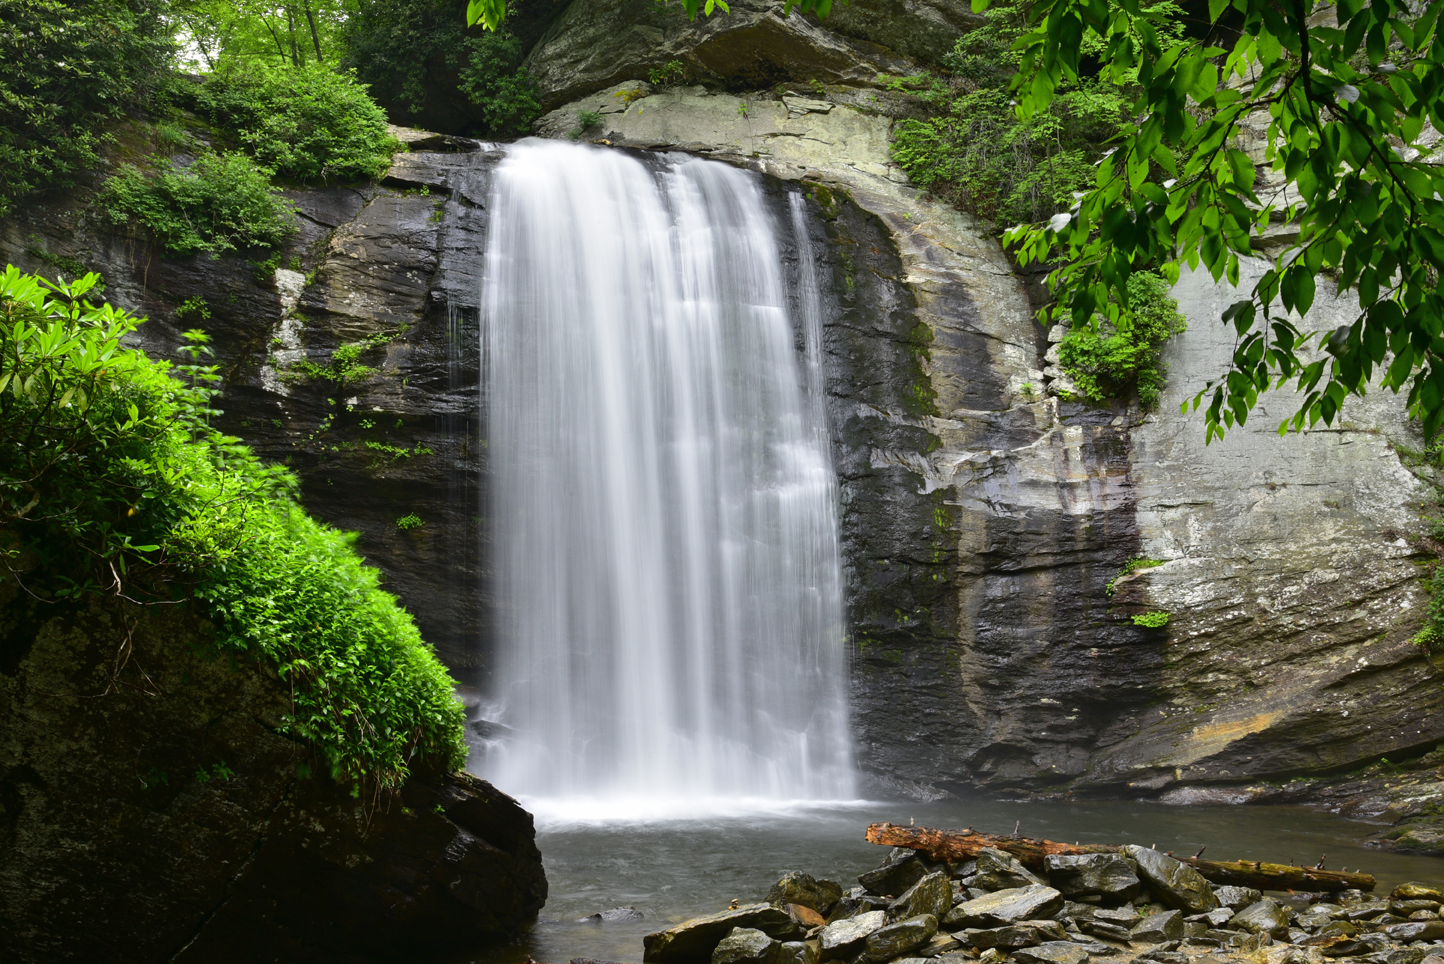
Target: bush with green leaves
[
  {"x": 308, "y": 122},
  {"x": 115, "y": 484},
  {"x": 219, "y": 203},
  {"x": 67, "y": 67},
  {"x": 427, "y": 68},
  {"x": 1121, "y": 355}
]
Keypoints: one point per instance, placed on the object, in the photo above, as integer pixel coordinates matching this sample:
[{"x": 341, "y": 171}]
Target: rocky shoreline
[{"x": 1135, "y": 905}]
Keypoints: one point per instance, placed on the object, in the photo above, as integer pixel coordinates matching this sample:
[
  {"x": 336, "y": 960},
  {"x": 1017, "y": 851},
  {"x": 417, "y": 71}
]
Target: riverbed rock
[
  {"x": 807, "y": 890},
  {"x": 805, "y": 916},
  {"x": 1159, "y": 928},
  {"x": 694, "y": 940},
  {"x": 1106, "y": 930},
  {"x": 933, "y": 895},
  {"x": 1027, "y": 933},
  {"x": 1125, "y": 916},
  {"x": 940, "y": 943},
  {"x": 1176, "y": 884},
  {"x": 898, "y": 939},
  {"x": 1414, "y": 890},
  {"x": 1052, "y": 952},
  {"x": 1263, "y": 917},
  {"x": 1407, "y": 933},
  {"x": 900, "y": 870},
  {"x": 1006, "y": 907},
  {"x": 845, "y": 938},
  {"x": 746, "y": 945},
  {"x": 799, "y": 952},
  {"x": 1111, "y": 876},
  {"x": 1236, "y": 898},
  {"x": 999, "y": 870}
]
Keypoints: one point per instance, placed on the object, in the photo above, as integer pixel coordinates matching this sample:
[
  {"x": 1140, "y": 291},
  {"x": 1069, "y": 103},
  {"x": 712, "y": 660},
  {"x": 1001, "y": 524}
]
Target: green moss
[
  {"x": 124, "y": 488},
  {"x": 1152, "y": 620}
]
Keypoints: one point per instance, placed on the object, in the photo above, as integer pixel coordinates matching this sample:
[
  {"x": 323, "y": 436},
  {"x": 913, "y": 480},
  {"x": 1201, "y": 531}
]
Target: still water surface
[{"x": 675, "y": 868}]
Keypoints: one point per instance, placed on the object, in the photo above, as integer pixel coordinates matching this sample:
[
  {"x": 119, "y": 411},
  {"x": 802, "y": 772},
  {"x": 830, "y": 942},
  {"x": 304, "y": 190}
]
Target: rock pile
[{"x": 1135, "y": 905}]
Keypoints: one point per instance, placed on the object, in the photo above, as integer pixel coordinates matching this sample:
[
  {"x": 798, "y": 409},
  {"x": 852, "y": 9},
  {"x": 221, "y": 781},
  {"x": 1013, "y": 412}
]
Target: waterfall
[{"x": 662, "y": 499}]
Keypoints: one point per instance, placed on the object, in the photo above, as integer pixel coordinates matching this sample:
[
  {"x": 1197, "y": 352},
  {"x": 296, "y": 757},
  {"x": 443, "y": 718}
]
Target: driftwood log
[{"x": 957, "y": 845}]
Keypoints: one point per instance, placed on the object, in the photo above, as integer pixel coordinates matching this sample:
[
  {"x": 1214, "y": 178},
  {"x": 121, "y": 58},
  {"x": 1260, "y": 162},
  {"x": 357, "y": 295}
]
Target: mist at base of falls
[{"x": 670, "y": 633}]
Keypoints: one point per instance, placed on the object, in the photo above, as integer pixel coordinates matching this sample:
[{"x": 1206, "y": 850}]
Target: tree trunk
[{"x": 954, "y": 845}]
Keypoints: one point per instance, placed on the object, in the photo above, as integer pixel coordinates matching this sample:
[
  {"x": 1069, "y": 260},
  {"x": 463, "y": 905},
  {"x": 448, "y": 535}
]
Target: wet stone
[
  {"x": 1176, "y": 884},
  {"x": 846, "y": 937},
  {"x": 898, "y": 939},
  {"x": 1412, "y": 931},
  {"x": 999, "y": 870},
  {"x": 696, "y": 939},
  {"x": 1124, "y": 916},
  {"x": 1214, "y": 918},
  {"x": 901, "y": 870},
  {"x": 1264, "y": 916},
  {"x": 1236, "y": 898},
  {"x": 940, "y": 944},
  {"x": 931, "y": 895},
  {"x": 1110, "y": 876},
  {"x": 1159, "y": 928},
  {"x": 1105, "y": 930},
  {"x": 1006, "y": 907},
  {"x": 1365, "y": 910},
  {"x": 1053, "y": 952},
  {"x": 747, "y": 945},
  {"x": 805, "y": 890},
  {"x": 1410, "y": 906},
  {"x": 1094, "y": 948},
  {"x": 799, "y": 952},
  {"x": 1414, "y": 890}
]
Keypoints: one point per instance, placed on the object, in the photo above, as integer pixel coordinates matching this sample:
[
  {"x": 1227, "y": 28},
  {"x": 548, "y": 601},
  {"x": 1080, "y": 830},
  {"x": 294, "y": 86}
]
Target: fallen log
[{"x": 956, "y": 845}]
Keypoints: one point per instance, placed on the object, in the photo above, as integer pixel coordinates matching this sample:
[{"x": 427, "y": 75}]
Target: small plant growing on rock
[
  {"x": 409, "y": 521},
  {"x": 586, "y": 120},
  {"x": 193, "y": 308},
  {"x": 672, "y": 72},
  {"x": 1156, "y": 619},
  {"x": 1130, "y": 567}
]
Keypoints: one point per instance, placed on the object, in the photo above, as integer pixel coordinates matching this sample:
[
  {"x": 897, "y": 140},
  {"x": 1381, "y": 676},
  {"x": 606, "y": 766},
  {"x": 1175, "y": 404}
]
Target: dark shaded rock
[
  {"x": 617, "y": 915},
  {"x": 1159, "y": 928},
  {"x": 745, "y": 945},
  {"x": 1105, "y": 930},
  {"x": 933, "y": 895},
  {"x": 924, "y": 30},
  {"x": 202, "y": 844},
  {"x": 845, "y": 938},
  {"x": 799, "y": 952},
  {"x": 1124, "y": 916},
  {"x": 939, "y": 944},
  {"x": 804, "y": 889},
  {"x": 897, "y": 939},
  {"x": 1094, "y": 948},
  {"x": 1217, "y": 917},
  {"x": 1105, "y": 875},
  {"x": 1365, "y": 910},
  {"x": 900, "y": 871},
  {"x": 1176, "y": 884},
  {"x": 1006, "y": 907},
  {"x": 1411, "y": 906},
  {"x": 1407, "y": 933},
  {"x": 1024, "y": 934},
  {"x": 997, "y": 870},
  {"x": 1263, "y": 917},
  {"x": 696, "y": 939},
  {"x": 1236, "y": 898},
  {"x": 1053, "y": 952}
]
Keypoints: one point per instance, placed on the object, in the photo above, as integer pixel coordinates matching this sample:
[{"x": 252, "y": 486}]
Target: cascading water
[{"x": 669, "y": 603}]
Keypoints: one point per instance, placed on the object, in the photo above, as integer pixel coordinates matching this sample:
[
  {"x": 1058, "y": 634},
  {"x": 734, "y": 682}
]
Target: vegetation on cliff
[{"x": 113, "y": 479}]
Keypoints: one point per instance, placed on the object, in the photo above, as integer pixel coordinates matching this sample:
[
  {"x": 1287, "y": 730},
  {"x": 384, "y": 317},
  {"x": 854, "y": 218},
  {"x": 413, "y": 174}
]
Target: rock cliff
[{"x": 983, "y": 515}]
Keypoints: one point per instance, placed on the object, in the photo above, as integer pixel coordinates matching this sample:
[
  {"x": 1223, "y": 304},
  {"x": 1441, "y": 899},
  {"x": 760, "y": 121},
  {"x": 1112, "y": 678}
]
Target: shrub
[
  {"x": 308, "y": 122},
  {"x": 113, "y": 479},
  {"x": 67, "y": 67},
  {"x": 491, "y": 80},
  {"x": 219, "y": 203},
  {"x": 1121, "y": 354},
  {"x": 1152, "y": 620}
]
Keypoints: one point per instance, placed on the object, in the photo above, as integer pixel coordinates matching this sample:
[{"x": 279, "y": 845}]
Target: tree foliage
[
  {"x": 220, "y": 35},
  {"x": 116, "y": 484},
  {"x": 1350, "y": 111},
  {"x": 1120, "y": 357},
  {"x": 66, "y": 68},
  {"x": 219, "y": 203}
]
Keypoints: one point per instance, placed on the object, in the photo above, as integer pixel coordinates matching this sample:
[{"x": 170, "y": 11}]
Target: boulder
[
  {"x": 845, "y": 938},
  {"x": 1028, "y": 933},
  {"x": 746, "y": 945},
  {"x": 931, "y": 895},
  {"x": 696, "y": 939},
  {"x": 1159, "y": 928},
  {"x": 1176, "y": 884},
  {"x": 1214, "y": 918},
  {"x": 1236, "y": 898},
  {"x": 799, "y": 952},
  {"x": 898, "y": 872},
  {"x": 1365, "y": 910},
  {"x": 1124, "y": 916},
  {"x": 806, "y": 890},
  {"x": 1411, "y": 906},
  {"x": 999, "y": 870},
  {"x": 1407, "y": 933},
  {"x": 1053, "y": 952},
  {"x": 805, "y": 916},
  {"x": 1105, "y": 930},
  {"x": 1414, "y": 890},
  {"x": 1262, "y": 917},
  {"x": 1111, "y": 876},
  {"x": 895, "y": 940},
  {"x": 1006, "y": 907}
]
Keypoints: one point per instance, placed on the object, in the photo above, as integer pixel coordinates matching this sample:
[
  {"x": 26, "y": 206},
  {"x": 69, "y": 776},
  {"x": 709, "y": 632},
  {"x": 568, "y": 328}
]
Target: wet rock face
[{"x": 201, "y": 843}]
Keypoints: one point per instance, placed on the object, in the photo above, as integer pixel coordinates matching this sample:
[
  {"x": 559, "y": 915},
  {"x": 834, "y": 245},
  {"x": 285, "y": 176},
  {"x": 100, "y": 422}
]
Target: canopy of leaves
[
  {"x": 219, "y": 203},
  {"x": 66, "y": 67},
  {"x": 309, "y": 122},
  {"x": 113, "y": 479},
  {"x": 420, "y": 61},
  {"x": 1350, "y": 103},
  {"x": 220, "y": 35}
]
